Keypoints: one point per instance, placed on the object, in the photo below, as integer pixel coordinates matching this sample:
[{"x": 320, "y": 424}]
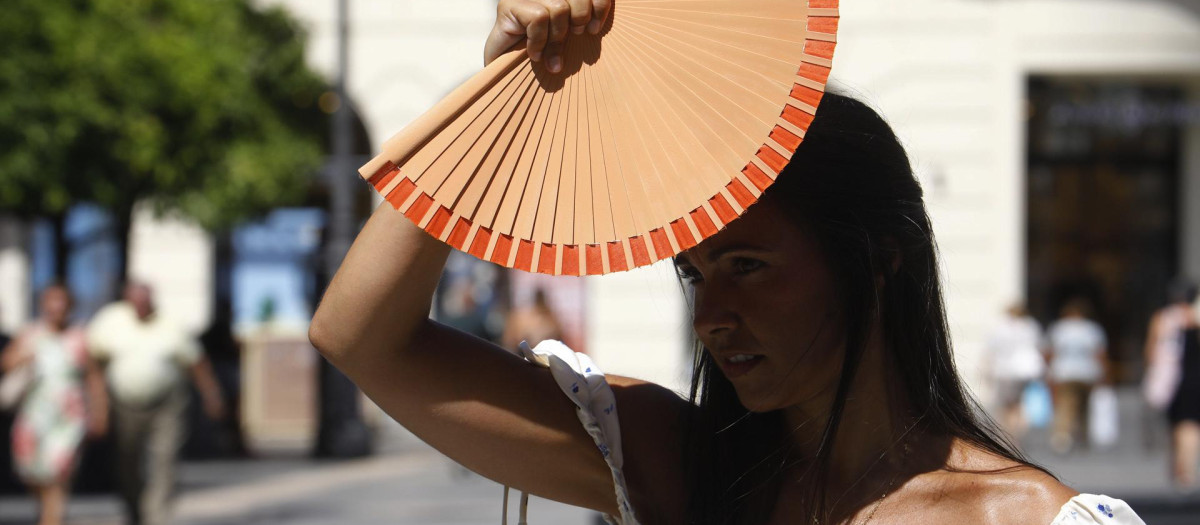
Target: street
[{"x": 408, "y": 483}]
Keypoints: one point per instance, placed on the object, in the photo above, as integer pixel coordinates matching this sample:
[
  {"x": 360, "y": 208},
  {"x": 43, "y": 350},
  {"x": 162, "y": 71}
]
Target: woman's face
[
  {"x": 55, "y": 306},
  {"x": 766, "y": 309}
]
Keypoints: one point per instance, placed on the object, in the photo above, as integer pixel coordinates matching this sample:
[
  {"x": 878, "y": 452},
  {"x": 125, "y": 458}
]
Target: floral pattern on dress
[
  {"x": 51, "y": 421},
  {"x": 1093, "y": 509}
]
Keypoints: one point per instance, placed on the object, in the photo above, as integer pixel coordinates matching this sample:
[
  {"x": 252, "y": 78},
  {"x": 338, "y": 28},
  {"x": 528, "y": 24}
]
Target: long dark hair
[{"x": 850, "y": 183}]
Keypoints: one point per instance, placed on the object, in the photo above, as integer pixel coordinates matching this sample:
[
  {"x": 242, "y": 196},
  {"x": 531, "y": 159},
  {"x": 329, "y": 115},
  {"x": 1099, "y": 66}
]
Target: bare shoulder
[{"x": 987, "y": 488}]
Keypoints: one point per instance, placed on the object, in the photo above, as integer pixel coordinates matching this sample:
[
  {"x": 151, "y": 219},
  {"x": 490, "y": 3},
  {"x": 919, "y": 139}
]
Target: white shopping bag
[{"x": 1103, "y": 417}]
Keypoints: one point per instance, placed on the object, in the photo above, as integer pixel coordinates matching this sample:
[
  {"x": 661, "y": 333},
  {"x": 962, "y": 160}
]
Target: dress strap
[{"x": 585, "y": 385}]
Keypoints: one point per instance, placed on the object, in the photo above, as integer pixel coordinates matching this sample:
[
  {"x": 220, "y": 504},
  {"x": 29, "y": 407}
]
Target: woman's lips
[{"x": 738, "y": 365}]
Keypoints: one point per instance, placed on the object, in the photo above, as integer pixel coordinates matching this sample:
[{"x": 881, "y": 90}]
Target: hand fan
[{"x": 656, "y": 133}]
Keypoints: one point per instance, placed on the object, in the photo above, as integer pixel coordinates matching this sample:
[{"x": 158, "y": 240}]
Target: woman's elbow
[
  {"x": 337, "y": 339},
  {"x": 324, "y": 338}
]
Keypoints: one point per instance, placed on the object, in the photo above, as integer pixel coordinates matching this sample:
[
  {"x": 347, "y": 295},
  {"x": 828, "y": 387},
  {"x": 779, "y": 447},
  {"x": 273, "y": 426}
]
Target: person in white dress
[
  {"x": 824, "y": 389},
  {"x": 1015, "y": 361}
]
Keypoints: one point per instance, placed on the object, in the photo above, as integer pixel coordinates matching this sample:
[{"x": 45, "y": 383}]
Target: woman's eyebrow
[{"x": 716, "y": 254}]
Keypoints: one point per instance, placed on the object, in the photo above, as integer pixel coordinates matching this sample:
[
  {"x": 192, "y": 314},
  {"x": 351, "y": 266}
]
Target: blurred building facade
[{"x": 1015, "y": 113}]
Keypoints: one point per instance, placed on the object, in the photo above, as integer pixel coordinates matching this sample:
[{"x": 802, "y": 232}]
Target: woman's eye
[
  {"x": 742, "y": 265},
  {"x": 689, "y": 275}
]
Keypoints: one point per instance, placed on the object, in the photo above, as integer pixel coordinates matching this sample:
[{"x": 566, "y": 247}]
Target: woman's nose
[{"x": 712, "y": 314}]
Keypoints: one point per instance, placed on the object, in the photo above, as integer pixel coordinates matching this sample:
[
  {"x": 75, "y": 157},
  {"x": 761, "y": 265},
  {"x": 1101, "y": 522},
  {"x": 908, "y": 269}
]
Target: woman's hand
[
  {"x": 16, "y": 354},
  {"x": 97, "y": 424},
  {"x": 543, "y": 25}
]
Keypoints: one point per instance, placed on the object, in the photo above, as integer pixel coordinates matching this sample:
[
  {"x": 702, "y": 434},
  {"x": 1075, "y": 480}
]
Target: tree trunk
[
  {"x": 123, "y": 215},
  {"x": 62, "y": 248}
]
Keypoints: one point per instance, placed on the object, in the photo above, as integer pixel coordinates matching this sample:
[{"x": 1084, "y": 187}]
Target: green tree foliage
[{"x": 200, "y": 106}]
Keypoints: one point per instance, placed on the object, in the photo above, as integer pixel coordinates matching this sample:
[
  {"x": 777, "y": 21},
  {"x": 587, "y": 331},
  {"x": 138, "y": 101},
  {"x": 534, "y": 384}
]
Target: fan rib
[
  {"x": 420, "y": 165},
  {"x": 682, "y": 117},
  {"x": 632, "y": 243},
  {"x": 489, "y": 208},
  {"x": 600, "y": 198},
  {"x": 510, "y": 202},
  {"x": 485, "y": 173},
  {"x": 624, "y": 221},
  {"x": 603, "y": 227},
  {"x": 666, "y": 62},
  {"x": 750, "y": 63},
  {"x": 563, "y": 229},
  {"x": 528, "y": 212},
  {"x": 672, "y": 147},
  {"x": 468, "y": 150},
  {"x": 755, "y": 30},
  {"x": 609, "y": 90},
  {"x": 421, "y": 130},
  {"x": 654, "y": 191},
  {"x": 756, "y": 123}
]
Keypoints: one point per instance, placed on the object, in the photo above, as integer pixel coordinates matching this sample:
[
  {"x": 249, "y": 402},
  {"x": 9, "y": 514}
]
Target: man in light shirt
[
  {"x": 1078, "y": 362},
  {"x": 148, "y": 360}
]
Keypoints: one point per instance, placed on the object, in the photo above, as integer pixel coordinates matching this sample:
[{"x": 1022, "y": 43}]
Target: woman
[
  {"x": 824, "y": 389},
  {"x": 1173, "y": 379},
  {"x": 1015, "y": 362},
  {"x": 52, "y": 419}
]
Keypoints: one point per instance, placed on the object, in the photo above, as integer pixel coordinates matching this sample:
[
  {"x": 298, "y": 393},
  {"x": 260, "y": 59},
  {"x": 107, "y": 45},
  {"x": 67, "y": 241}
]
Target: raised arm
[
  {"x": 473, "y": 401},
  {"x": 15, "y": 354}
]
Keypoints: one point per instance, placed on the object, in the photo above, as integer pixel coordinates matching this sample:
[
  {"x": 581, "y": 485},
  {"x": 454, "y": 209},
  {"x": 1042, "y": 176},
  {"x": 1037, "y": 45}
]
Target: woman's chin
[{"x": 757, "y": 404}]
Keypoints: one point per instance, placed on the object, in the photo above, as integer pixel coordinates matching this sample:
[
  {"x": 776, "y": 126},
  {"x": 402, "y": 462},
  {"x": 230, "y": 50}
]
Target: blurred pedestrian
[
  {"x": 1172, "y": 380},
  {"x": 53, "y": 416},
  {"x": 1163, "y": 355},
  {"x": 1015, "y": 361},
  {"x": 147, "y": 360},
  {"x": 532, "y": 323},
  {"x": 469, "y": 297},
  {"x": 1078, "y": 362}
]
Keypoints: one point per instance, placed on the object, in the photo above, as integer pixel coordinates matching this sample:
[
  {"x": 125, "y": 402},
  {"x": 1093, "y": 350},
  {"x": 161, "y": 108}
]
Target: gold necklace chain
[
  {"x": 886, "y": 492},
  {"x": 879, "y": 502}
]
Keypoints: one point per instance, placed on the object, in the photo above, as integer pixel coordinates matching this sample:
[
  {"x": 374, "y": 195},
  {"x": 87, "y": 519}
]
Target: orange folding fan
[{"x": 655, "y": 134}]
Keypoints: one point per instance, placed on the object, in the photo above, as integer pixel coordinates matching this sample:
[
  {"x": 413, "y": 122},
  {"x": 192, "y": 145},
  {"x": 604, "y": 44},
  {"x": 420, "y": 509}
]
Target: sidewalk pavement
[
  {"x": 1135, "y": 469},
  {"x": 408, "y": 483}
]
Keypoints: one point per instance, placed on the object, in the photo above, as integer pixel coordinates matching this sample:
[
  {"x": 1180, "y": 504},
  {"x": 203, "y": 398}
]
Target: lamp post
[{"x": 341, "y": 432}]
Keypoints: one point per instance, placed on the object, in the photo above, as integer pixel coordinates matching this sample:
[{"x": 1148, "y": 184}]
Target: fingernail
[
  {"x": 595, "y": 25},
  {"x": 535, "y": 56},
  {"x": 578, "y": 30},
  {"x": 554, "y": 63}
]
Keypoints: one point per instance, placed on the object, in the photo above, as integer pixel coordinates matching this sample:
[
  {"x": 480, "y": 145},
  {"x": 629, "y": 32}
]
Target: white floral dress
[{"x": 51, "y": 420}]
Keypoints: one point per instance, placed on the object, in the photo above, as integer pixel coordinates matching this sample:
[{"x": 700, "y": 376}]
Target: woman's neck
[
  {"x": 56, "y": 327},
  {"x": 876, "y": 430}
]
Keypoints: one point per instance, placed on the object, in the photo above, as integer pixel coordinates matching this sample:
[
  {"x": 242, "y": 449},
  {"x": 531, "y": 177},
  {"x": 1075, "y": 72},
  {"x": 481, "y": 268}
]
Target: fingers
[
  {"x": 581, "y": 15},
  {"x": 559, "y": 12},
  {"x": 544, "y": 25},
  {"x": 600, "y": 9}
]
